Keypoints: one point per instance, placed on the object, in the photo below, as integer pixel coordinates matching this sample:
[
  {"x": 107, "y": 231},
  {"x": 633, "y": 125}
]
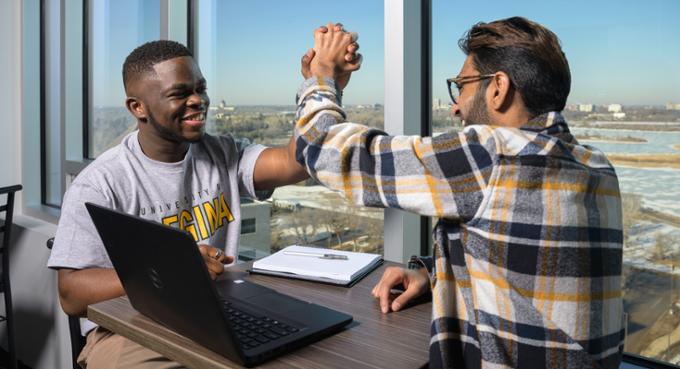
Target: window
[
  {"x": 248, "y": 226},
  {"x": 625, "y": 101},
  {"x": 115, "y": 29},
  {"x": 249, "y": 52}
]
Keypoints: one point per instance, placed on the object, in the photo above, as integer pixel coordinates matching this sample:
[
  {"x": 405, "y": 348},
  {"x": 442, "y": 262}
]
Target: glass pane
[
  {"x": 116, "y": 28},
  {"x": 249, "y": 52},
  {"x": 52, "y": 95},
  {"x": 624, "y": 100}
]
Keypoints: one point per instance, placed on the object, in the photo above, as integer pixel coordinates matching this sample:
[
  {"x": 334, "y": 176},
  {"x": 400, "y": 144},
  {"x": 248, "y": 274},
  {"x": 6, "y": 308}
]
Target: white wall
[
  {"x": 10, "y": 95},
  {"x": 42, "y": 328}
]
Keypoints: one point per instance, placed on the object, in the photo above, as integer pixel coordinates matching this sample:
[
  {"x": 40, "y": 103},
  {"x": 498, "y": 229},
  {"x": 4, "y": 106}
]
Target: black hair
[{"x": 143, "y": 58}]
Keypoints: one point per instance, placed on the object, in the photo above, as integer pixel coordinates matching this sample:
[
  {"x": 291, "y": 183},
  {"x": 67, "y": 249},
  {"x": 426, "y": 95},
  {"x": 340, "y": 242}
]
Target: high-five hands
[{"x": 334, "y": 55}]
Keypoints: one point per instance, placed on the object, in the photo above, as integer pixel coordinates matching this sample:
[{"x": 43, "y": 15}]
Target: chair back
[{"x": 7, "y": 209}]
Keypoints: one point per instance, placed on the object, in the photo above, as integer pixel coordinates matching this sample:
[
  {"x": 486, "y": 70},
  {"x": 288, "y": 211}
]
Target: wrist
[
  {"x": 420, "y": 262},
  {"x": 323, "y": 71}
]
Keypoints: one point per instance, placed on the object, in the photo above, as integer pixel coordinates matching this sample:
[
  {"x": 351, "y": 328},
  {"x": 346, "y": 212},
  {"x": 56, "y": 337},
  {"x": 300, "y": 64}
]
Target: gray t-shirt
[{"x": 200, "y": 194}]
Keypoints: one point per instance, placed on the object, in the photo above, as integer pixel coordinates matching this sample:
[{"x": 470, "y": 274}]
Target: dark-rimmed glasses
[{"x": 461, "y": 80}]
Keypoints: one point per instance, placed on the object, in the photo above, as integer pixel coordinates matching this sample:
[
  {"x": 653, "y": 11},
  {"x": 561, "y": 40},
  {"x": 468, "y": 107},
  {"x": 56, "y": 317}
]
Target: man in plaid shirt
[{"x": 527, "y": 262}]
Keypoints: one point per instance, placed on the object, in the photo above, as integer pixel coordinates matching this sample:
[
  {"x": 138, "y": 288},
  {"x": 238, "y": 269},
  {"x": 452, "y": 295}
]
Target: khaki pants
[{"x": 107, "y": 350}]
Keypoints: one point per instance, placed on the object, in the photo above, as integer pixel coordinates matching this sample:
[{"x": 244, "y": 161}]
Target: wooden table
[{"x": 372, "y": 340}]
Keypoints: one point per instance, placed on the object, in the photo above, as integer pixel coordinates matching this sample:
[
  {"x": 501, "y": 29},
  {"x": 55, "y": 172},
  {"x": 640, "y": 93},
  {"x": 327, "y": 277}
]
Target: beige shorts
[{"x": 107, "y": 350}]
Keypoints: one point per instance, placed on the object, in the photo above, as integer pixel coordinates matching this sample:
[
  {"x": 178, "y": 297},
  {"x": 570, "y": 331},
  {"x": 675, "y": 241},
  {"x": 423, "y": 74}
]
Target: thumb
[{"x": 305, "y": 63}]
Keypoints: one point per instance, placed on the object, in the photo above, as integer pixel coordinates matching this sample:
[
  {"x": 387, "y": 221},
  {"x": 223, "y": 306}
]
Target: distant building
[
  {"x": 672, "y": 106},
  {"x": 255, "y": 225},
  {"x": 619, "y": 115},
  {"x": 614, "y": 108},
  {"x": 436, "y": 104},
  {"x": 586, "y": 108},
  {"x": 571, "y": 107}
]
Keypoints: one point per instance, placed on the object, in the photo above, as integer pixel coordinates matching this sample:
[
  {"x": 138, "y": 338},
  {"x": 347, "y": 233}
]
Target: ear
[
  {"x": 137, "y": 108},
  {"x": 499, "y": 92}
]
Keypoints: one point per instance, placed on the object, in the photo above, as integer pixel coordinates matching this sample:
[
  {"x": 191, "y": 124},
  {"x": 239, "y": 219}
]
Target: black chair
[
  {"x": 5, "y": 287},
  {"x": 77, "y": 339}
]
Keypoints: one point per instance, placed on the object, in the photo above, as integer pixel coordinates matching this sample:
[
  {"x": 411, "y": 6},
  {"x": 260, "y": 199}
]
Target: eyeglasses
[{"x": 461, "y": 80}]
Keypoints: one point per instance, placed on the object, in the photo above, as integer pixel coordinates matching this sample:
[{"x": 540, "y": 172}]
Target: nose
[
  {"x": 198, "y": 99},
  {"x": 455, "y": 110}
]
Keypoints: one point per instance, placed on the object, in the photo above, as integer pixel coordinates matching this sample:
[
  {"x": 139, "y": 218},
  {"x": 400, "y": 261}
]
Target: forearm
[
  {"x": 80, "y": 288},
  {"x": 277, "y": 167},
  {"x": 368, "y": 166}
]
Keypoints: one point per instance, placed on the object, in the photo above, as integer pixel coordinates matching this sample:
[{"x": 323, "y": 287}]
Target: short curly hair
[{"x": 143, "y": 58}]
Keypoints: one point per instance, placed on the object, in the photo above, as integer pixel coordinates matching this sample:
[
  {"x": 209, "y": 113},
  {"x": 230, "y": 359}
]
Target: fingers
[
  {"x": 351, "y": 52},
  {"x": 355, "y": 64},
  {"x": 215, "y": 267},
  {"x": 305, "y": 64},
  {"x": 416, "y": 287},
  {"x": 392, "y": 277},
  {"x": 215, "y": 259}
]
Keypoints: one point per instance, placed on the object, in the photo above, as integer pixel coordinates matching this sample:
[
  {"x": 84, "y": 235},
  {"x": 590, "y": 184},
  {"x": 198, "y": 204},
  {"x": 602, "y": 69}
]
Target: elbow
[
  {"x": 70, "y": 307},
  {"x": 69, "y": 303}
]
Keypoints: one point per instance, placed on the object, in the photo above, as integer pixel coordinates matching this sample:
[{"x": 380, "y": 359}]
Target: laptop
[{"x": 166, "y": 279}]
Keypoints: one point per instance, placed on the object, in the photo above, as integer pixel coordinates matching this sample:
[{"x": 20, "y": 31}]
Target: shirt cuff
[{"x": 313, "y": 84}]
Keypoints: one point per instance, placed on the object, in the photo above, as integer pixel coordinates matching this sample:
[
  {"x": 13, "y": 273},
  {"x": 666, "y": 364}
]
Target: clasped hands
[{"x": 334, "y": 55}]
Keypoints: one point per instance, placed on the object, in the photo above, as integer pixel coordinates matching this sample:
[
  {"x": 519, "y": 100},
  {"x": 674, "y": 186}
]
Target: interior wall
[{"x": 42, "y": 330}]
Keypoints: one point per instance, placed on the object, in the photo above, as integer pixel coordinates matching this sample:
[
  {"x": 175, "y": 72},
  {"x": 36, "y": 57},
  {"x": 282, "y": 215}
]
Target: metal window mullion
[
  {"x": 405, "y": 100},
  {"x": 62, "y": 97},
  {"x": 86, "y": 79}
]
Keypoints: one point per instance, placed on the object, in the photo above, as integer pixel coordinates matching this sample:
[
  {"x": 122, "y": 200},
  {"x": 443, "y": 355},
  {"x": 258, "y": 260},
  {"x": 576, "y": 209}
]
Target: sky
[{"x": 620, "y": 51}]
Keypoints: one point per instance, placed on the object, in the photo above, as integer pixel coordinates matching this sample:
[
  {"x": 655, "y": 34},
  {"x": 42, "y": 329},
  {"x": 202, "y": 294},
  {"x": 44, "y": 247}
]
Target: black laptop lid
[{"x": 165, "y": 277}]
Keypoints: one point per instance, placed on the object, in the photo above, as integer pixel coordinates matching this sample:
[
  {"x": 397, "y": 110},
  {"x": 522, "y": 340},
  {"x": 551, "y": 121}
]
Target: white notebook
[{"x": 321, "y": 265}]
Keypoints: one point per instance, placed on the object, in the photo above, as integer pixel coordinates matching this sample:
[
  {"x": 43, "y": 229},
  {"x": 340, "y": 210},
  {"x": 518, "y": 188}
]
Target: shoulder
[
  {"x": 109, "y": 167},
  {"x": 474, "y": 138},
  {"x": 216, "y": 143}
]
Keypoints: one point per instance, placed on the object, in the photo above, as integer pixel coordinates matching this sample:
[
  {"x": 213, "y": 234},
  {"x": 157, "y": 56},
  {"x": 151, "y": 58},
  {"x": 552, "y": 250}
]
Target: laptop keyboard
[{"x": 252, "y": 331}]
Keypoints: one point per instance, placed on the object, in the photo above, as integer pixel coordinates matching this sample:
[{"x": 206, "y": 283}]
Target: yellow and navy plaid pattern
[{"x": 528, "y": 247}]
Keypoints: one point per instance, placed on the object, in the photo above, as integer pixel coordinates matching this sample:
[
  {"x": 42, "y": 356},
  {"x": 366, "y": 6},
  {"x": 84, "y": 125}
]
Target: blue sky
[{"x": 620, "y": 51}]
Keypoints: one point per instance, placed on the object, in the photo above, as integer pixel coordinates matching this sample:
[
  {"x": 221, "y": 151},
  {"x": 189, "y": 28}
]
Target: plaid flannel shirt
[{"x": 528, "y": 248}]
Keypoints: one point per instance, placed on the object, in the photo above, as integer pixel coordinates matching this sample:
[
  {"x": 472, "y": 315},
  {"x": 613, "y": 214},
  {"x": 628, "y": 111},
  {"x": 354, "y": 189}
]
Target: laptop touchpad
[{"x": 277, "y": 301}]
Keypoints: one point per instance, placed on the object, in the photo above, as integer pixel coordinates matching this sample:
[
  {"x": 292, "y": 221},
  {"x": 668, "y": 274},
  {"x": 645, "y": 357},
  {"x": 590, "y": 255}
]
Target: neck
[
  {"x": 514, "y": 114},
  {"x": 514, "y": 119},
  {"x": 161, "y": 149}
]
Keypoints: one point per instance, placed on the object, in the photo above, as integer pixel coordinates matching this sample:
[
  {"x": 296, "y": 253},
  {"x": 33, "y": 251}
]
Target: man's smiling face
[{"x": 176, "y": 100}]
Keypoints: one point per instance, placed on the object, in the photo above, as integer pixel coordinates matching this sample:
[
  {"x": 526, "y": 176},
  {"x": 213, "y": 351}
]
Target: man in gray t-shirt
[{"x": 168, "y": 171}]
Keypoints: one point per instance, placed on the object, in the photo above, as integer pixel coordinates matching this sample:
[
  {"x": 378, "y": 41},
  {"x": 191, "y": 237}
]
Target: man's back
[
  {"x": 537, "y": 270},
  {"x": 529, "y": 246}
]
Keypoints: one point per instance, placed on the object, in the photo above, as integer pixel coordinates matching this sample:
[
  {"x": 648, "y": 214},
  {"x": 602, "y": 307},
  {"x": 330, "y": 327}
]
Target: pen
[{"x": 317, "y": 255}]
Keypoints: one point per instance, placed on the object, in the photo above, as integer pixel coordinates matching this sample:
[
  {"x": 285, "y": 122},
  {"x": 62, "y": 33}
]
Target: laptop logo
[{"x": 155, "y": 278}]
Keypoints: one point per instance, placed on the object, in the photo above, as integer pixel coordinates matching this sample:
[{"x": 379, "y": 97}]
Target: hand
[
  {"x": 214, "y": 259},
  {"x": 416, "y": 282},
  {"x": 350, "y": 61}
]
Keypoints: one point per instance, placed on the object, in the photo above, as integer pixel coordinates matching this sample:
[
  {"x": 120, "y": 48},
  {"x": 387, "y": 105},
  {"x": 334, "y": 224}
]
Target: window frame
[
  {"x": 409, "y": 110},
  {"x": 178, "y": 21}
]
